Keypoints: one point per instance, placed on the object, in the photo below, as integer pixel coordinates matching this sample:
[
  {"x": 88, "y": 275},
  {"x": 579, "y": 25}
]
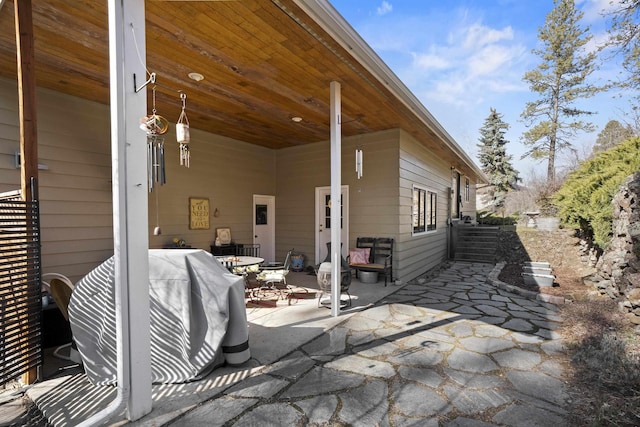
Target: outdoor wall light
[{"x": 41, "y": 166}]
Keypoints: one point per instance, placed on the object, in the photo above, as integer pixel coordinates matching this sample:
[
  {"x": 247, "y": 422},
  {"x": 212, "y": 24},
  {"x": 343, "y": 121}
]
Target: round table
[{"x": 240, "y": 260}]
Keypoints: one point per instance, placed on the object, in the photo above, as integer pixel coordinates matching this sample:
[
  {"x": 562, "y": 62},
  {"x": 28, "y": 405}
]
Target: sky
[{"x": 461, "y": 58}]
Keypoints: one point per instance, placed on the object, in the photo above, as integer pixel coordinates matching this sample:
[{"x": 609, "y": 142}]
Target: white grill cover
[{"x": 198, "y": 317}]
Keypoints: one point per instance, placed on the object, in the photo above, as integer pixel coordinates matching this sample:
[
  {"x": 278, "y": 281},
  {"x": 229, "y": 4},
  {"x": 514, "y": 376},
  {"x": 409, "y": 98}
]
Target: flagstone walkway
[{"x": 452, "y": 351}]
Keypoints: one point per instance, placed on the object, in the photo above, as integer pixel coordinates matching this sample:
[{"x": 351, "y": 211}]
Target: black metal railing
[{"x": 20, "y": 287}]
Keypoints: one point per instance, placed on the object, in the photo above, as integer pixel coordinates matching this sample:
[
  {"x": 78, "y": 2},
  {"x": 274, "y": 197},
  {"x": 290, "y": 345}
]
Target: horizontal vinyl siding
[
  {"x": 373, "y": 200},
  {"x": 418, "y": 165},
  {"x": 9, "y": 136},
  {"x": 225, "y": 171},
  {"x": 299, "y": 171},
  {"x": 75, "y": 192}
]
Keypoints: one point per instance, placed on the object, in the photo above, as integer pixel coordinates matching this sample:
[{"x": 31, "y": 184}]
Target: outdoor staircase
[{"x": 476, "y": 244}]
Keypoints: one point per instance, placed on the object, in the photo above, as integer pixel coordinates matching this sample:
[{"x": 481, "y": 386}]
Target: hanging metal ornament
[
  {"x": 155, "y": 126},
  {"x": 182, "y": 133}
]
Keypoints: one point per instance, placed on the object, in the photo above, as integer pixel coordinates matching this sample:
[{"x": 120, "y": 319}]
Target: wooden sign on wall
[{"x": 198, "y": 213}]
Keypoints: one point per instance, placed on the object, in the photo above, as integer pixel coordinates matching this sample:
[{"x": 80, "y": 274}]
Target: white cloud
[
  {"x": 384, "y": 8},
  {"x": 430, "y": 61},
  {"x": 476, "y": 62},
  {"x": 491, "y": 59},
  {"x": 480, "y": 35},
  {"x": 594, "y": 9}
]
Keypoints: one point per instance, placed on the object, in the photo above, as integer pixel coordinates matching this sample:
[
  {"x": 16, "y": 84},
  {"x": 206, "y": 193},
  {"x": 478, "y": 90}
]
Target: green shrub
[
  {"x": 584, "y": 200},
  {"x": 487, "y": 218}
]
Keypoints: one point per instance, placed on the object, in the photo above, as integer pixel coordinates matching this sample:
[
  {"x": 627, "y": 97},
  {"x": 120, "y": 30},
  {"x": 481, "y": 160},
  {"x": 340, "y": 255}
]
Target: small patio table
[{"x": 240, "y": 260}]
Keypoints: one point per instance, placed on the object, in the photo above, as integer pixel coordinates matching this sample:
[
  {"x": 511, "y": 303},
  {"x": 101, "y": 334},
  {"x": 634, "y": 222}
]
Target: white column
[
  {"x": 130, "y": 222},
  {"x": 336, "y": 201},
  {"x": 130, "y": 195}
]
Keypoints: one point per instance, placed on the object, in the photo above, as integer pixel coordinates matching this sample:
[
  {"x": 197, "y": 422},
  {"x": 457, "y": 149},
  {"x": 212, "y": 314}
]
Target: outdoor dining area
[
  {"x": 208, "y": 329},
  {"x": 204, "y": 308}
]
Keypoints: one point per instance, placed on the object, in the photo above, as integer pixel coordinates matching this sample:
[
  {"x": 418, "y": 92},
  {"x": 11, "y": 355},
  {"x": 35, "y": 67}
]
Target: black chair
[
  {"x": 252, "y": 249},
  {"x": 229, "y": 265}
]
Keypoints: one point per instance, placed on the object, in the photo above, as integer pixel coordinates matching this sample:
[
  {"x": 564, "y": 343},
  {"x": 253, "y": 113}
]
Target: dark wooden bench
[{"x": 380, "y": 256}]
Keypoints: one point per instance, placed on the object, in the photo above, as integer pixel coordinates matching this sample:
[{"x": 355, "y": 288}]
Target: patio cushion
[{"x": 359, "y": 256}]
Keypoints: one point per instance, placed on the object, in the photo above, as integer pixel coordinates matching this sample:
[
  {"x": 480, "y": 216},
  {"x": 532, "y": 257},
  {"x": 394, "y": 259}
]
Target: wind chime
[
  {"x": 359, "y": 162},
  {"x": 182, "y": 133},
  {"x": 155, "y": 126}
]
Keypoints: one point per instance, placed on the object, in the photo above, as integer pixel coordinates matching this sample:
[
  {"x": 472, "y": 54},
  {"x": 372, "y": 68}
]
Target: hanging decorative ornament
[
  {"x": 182, "y": 133},
  {"x": 155, "y": 126},
  {"x": 359, "y": 162}
]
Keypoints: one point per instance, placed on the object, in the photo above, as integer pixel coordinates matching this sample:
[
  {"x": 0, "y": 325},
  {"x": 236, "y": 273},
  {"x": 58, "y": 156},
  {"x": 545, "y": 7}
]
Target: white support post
[
  {"x": 336, "y": 200},
  {"x": 130, "y": 195},
  {"x": 130, "y": 210}
]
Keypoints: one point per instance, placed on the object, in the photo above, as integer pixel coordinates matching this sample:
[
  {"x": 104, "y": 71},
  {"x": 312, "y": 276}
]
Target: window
[
  {"x": 466, "y": 189},
  {"x": 424, "y": 210}
]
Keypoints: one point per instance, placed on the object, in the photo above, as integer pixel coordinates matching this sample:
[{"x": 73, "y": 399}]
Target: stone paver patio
[{"x": 454, "y": 351}]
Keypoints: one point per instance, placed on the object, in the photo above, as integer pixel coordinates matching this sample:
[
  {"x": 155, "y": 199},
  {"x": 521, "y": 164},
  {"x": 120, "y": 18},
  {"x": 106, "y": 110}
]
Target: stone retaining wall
[{"x": 618, "y": 269}]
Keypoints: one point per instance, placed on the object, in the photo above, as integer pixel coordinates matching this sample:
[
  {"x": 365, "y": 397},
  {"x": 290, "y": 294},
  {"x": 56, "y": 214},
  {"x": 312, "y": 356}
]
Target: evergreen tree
[
  {"x": 559, "y": 80},
  {"x": 584, "y": 200},
  {"x": 612, "y": 134},
  {"x": 495, "y": 162},
  {"x": 625, "y": 36}
]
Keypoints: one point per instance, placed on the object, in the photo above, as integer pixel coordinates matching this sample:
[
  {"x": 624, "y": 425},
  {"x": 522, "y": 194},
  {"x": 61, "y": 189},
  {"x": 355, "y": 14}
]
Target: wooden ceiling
[{"x": 264, "y": 62}]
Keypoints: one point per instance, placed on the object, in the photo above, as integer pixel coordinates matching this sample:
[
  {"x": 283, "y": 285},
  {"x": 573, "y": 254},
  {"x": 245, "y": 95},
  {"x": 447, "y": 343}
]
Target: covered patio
[
  {"x": 66, "y": 397},
  {"x": 271, "y": 89}
]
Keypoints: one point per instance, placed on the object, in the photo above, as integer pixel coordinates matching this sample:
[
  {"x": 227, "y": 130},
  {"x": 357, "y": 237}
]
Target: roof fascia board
[{"x": 341, "y": 31}]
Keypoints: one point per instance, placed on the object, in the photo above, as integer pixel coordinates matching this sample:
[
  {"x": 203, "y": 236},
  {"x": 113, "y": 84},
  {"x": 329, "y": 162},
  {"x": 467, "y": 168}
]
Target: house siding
[
  {"x": 373, "y": 199},
  {"x": 75, "y": 192},
  {"x": 225, "y": 171},
  {"x": 420, "y": 166},
  {"x": 76, "y": 202}
]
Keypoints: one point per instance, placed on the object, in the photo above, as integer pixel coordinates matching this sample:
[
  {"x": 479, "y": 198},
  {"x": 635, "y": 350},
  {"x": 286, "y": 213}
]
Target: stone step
[
  {"x": 489, "y": 239},
  {"x": 477, "y": 244}
]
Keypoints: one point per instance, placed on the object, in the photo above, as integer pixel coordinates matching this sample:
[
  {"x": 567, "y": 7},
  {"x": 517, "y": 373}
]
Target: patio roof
[{"x": 263, "y": 62}]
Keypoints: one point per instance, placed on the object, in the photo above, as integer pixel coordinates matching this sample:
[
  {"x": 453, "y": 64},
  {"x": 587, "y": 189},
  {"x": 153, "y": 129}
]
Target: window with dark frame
[
  {"x": 466, "y": 189},
  {"x": 424, "y": 210}
]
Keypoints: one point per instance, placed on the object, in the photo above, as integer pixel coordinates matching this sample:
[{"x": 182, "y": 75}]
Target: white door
[
  {"x": 264, "y": 226},
  {"x": 323, "y": 221}
]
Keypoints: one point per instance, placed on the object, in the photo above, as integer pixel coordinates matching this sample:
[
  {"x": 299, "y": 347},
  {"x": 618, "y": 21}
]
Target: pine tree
[
  {"x": 612, "y": 134},
  {"x": 625, "y": 37},
  {"x": 495, "y": 162},
  {"x": 560, "y": 80}
]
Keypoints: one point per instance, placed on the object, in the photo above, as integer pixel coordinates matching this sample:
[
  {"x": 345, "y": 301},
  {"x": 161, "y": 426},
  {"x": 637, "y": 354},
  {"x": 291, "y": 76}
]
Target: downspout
[{"x": 130, "y": 239}]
